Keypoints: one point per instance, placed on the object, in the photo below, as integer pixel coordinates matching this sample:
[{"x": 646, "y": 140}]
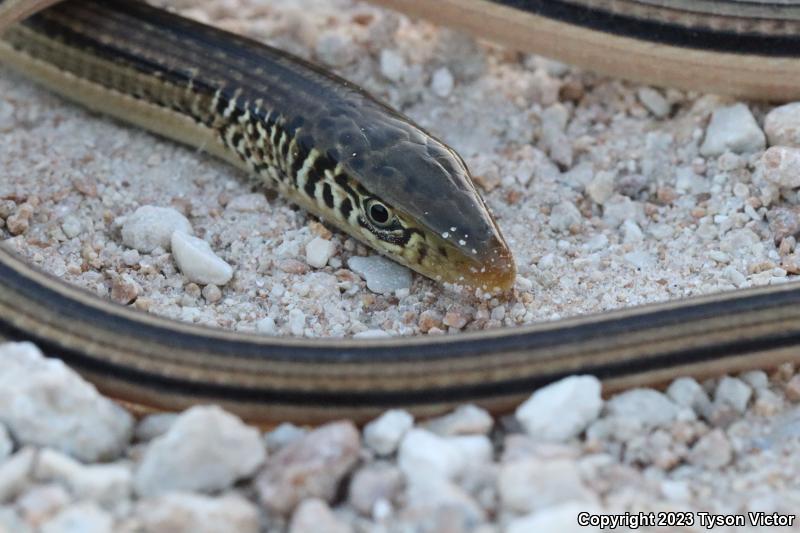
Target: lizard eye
[{"x": 378, "y": 213}]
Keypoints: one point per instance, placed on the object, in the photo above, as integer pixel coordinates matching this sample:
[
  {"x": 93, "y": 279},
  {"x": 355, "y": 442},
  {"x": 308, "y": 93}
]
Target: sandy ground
[{"x": 604, "y": 204}]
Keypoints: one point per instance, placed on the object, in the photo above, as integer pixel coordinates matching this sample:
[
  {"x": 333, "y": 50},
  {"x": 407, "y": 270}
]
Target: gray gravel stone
[
  {"x": 384, "y": 434},
  {"x": 206, "y": 449},
  {"x": 312, "y": 467},
  {"x": 782, "y": 125},
  {"x": 84, "y": 517},
  {"x": 647, "y": 406},
  {"x": 15, "y": 473},
  {"x": 197, "y": 260},
  {"x": 313, "y": 515},
  {"x": 383, "y": 276},
  {"x": 45, "y": 403},
  {"x": 532, "y": 484},
  {"x": 464, "y": 420},
  {"x": 377, "y": 482},
  {"x": 561, "y": 410},
  {"x": 151, "y": 227},
  {"x": 732, "y": 128},
  {"x": 733, "y": 392},
  {"x": 194, "y": 513}
]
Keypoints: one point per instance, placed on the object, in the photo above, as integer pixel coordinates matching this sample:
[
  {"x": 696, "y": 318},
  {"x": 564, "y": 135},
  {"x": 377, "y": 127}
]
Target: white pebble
[
  {"x": 601, "y": 187},
  {"x": 197, "y": 260},
  {"x": 653, "y": 101},
  {"x": 732, "y": 128},
  {"x": 150, "y": 227},
  {"x": 383, "y": 276},
  {"x": 562, "y": 410},
  {"x": 194, "y": 513},
  {"x": 267, "y": 326},
  {"x": 205, "y": 449},
  {"x": 781, "y": 165},
  {"x": 392, "y": 64},
  {"x": 107, "y": 484},
  {"x": 733, "y": 392},
  {"x": 464, "y": 420},
  {"x": 564, "y": 215},
  {"x": 313, "y": 516},
  {"x": 646, "y": 406},
  {"x": 385, "y": 432},
  {"x": 442, "y": 82},
  {"x": 15, "y": 472},
  {"x": 45, "y": 403},
  {"x": 687, "y": 392},
  {"x": 424, "y": 453},
  {"x": 713, "y": 450},
  {"x": 84, "y": 517},
  {"x": 71, "y": 226},
  {"x": 529, "y": 484},
  {"x": 297, "y": 322},
  {"x": 318, "y": 251},
  {"x": 372, "y": 334},
  {"x": 782, "y": 125}
]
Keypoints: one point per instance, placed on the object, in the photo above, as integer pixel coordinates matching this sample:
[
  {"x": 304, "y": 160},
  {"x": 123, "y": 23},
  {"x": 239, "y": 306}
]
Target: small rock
[
  {"x": 454, "y": 319},
  {"x": 601, "y": 187},
  {"x": 11, "y": 521},
  {"x": 687, "y": 392},
  {"x": 15, "y": 473},
  {"x": 374, "y": 483},
  {"x": 211, "y": 293},
  {"x": 423, "y": 452},
  {"x": 465, "y": 420},
  {"x": 392, "y": 65},
  {"x": 335, "y": 48},
  {"x": 155, "y": 425},
  {"x": 83, "y": 517},
  {"x": 618, "y": 209},
  {"x": 318, "y": 251},
  {"x": 383, "y": 276},
  {"x": 150, "y": 227},
  {"x": 312, "y": 467},
  {"x": 267, "y": 326},
  {"x": 733, "y": 392},
  {"x": 564, "y": 215},
  {"x": 529, "y": 485},
  {"x": 314, "y": 515},
  {"x": 442, "y": 82},
  {"x": 653, "y": 101},
  {"x": 283, "y": 435},
  {"x": 562, "y": 518},
  {"x": 792, "y": 389},
  {"x": 194, "y": 513},
  {"x": 71, "y": 226},
  {"x": 297, "y": 322},
  {"x": 561, "y": 410},
  {"x": 6, "y": 444},
  {"x": 125, "y": 289},
  {"x": 784, "y": 222},
  {"x": 757, "y": 379},
  {"x": 732, "y": 128},
  {"x": 384, "y": 433},
  {"x": 782, "y": 125},
  {"x": 781, "y": 165},
  {"x": 45, "y": 403},
  {"x": 41, "y": 502},
  {"x": 106, "y": 484},
  {"x": 436, "y": 504},
  {"x": 197, "y": 260},
  {"x": 713, "y": 450},
  {"x": 647, "y": 406},
  {"x": 372, "y": 334},
  {"x": 475, "y": 450},
  {"x": 205, "y": 449}
]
